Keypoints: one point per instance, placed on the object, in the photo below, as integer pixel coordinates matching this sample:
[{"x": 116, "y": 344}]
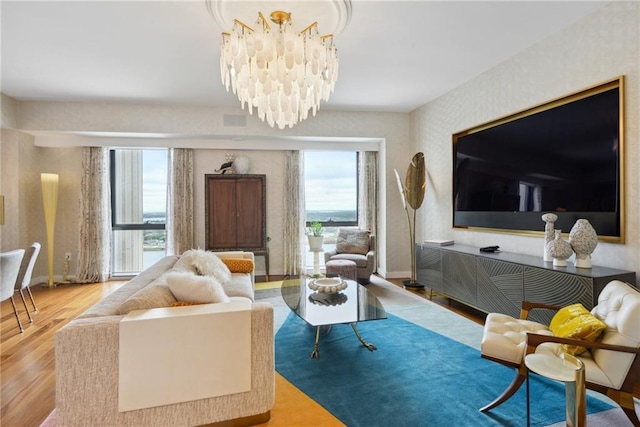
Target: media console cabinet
[{"x": 500, "y": 281}]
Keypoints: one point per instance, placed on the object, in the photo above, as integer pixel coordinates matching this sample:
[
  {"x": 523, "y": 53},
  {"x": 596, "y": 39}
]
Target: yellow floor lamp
[{"x": 50, "y": 202}]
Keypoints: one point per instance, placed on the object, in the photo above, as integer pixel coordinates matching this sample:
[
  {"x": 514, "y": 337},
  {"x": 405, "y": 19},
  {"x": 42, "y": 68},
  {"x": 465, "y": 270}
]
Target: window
[
  {"x": 331, "y": 187},
  {"x": 331, "y": 192},
  {"x": 138, "y": 208}
]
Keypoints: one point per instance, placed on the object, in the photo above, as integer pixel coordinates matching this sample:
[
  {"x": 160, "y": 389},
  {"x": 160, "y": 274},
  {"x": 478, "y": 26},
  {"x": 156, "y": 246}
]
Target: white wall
[{"x": 598, "y": 48}]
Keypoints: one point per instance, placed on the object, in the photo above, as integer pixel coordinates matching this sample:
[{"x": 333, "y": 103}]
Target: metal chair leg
[
  {"x": 24, "y": 301},
  {"x": 15, "y": 311},
  {"x": 35, "y": 308}
]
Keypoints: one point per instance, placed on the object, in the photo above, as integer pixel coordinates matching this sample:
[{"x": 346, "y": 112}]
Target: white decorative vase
[
  {"x": 315, "y": 243},
  {"x": 549, "y": 235},
  {"x": 559, "y": 249},
  {"x": 583, "y": 240},
  {"x": 241, "y": 164}
]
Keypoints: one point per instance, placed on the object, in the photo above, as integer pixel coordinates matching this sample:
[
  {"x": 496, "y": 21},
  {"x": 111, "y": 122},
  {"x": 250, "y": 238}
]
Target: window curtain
[
  {"x": 180, "y": 201},
  {"x": 368, "y": 182},
  {"x": 94, "y": 244},
  {"x": 294, "y": 223}
]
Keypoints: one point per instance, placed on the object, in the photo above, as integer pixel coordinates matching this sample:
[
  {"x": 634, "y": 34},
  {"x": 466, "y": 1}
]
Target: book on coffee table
[{"x": 439, "y": 242}]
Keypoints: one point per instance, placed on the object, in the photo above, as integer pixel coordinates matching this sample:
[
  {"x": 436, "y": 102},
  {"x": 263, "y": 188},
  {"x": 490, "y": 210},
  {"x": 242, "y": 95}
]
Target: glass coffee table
[{"x": 330, "y": 301}]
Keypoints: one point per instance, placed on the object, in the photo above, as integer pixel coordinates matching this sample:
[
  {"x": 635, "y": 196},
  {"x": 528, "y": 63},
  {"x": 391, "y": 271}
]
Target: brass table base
[{"x": 316, "y": 355}]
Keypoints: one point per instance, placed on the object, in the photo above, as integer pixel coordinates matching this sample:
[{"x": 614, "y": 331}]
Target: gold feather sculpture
[
  {"x": 412, "y": 194},
  {"x": 415, "y": 181}
]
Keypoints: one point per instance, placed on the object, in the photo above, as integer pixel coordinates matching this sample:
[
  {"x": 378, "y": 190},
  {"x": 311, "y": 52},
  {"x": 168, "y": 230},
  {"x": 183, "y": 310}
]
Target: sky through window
[{"x": 331, "y": 180}]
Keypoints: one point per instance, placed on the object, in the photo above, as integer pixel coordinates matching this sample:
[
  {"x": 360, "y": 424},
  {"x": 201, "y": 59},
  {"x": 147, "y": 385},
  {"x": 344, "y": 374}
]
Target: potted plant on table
[{"x": 314, "y": 234}]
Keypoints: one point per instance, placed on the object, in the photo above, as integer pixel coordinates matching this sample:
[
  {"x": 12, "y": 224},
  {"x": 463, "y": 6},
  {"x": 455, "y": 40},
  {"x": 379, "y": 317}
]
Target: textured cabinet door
[
  {"x": 235, "y": 217},
  {"x": 555, "y": 288},
  {"x": 459, "y": 276},
  {"x": 499, "y": 286},
  {"x": 429, "y": 267}
]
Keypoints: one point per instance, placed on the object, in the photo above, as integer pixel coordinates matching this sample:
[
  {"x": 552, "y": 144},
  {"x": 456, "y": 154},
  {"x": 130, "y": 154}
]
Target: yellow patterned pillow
[
  {"x": 238, "y": 265},
  {"x": 565, "y": 314},
  {"x": 576, "y": 322}
]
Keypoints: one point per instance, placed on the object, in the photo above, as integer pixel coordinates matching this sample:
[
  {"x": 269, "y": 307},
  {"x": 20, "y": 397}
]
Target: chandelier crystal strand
[{"x": 282, "y": 73}]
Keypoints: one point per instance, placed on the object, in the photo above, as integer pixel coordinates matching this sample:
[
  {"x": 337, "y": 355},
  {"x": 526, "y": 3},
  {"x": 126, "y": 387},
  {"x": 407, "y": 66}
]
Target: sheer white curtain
[
  {"x": 94, "y": 244},
  {"x": 180, "y": 201},
  {"x": 368, "y": 181},
  {"x": 294, "y": 213}
]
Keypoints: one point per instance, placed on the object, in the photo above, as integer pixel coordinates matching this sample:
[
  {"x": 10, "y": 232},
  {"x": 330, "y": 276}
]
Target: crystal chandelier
[{"x": 281, "y": 72}]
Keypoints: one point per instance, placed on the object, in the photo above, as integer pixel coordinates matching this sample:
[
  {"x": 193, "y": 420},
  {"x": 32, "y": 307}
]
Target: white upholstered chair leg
[
  {"x": 24, "y": 276},
  {"x": 26, "y": 308}
]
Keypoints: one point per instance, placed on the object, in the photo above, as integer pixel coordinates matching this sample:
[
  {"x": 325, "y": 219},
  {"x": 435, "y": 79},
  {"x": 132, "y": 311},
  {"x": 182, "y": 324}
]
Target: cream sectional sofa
[{"x": 87, "y": 356}]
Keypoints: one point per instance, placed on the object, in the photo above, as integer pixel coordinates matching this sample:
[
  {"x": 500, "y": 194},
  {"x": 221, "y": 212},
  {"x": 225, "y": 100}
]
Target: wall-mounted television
[{"x": 564, "y": 156}]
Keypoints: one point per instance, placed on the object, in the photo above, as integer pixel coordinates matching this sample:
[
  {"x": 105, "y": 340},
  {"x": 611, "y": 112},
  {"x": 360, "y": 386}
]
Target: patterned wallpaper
[
  {"x": 22, "y": 164},
  {"x": 598, "y": 48}
]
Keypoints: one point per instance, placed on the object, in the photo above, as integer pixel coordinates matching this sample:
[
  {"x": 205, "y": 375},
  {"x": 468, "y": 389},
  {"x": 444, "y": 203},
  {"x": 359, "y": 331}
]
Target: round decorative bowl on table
[{"x": 328, "y": 285}]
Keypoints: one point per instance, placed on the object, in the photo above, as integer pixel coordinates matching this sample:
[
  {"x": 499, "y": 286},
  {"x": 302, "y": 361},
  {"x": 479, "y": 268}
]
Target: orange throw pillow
[
  {"x": 183, "y": 303},
  {"x": 238, "y": 265}
]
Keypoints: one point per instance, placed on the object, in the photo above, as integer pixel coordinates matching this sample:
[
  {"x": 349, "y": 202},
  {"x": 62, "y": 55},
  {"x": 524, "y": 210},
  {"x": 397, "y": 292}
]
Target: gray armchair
[{"x": 358, "y": 246}]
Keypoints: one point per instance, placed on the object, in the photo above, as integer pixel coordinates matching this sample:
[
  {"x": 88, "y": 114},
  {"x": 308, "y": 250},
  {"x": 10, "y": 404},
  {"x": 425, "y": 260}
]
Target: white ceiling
[{"x": 394, "y": 55}]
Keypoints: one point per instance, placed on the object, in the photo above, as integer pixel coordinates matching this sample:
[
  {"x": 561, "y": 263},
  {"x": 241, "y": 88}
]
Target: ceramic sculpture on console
[
  {"x": 559, "y": 249},
  {"x": 227, "y": 166},
  {"x": 241, "y": 164},
  {"x": 583, "y": 240},
  {"x": 549, "y": 234}
]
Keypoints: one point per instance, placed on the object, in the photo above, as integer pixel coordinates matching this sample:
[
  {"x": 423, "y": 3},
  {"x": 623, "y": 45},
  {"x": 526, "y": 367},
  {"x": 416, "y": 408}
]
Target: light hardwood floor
[{"x": 27, "y": 369}]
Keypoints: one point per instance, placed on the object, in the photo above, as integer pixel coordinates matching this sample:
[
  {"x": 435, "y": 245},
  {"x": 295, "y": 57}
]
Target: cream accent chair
[
  {"x": 365, "y": 262},
  {"x": 612, "y": 364}
]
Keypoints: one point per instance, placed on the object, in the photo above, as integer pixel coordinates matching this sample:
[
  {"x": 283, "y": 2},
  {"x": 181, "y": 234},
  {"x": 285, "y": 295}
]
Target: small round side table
[
  {"x": 316, "y": 261},
  {"x": 568, "y": 369}
]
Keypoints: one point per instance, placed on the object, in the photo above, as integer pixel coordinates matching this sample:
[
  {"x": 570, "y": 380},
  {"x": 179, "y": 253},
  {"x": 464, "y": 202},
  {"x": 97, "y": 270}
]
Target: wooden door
[
  {"x": 250, "y": 213},
  {"x": 222, "y": 217}
]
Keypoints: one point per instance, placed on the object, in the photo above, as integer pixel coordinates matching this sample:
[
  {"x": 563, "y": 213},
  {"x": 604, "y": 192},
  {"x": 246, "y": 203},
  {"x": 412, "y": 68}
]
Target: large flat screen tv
[{"x": 565, "y": 157}]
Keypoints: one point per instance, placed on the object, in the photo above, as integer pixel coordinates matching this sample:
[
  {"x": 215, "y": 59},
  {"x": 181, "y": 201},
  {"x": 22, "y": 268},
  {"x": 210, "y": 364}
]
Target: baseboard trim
[{"x": 393, "y": 274}]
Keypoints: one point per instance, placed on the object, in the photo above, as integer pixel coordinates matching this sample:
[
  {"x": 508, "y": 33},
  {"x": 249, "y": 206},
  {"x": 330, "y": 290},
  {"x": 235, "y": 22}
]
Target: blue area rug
[{"x": 416, "y": 378}]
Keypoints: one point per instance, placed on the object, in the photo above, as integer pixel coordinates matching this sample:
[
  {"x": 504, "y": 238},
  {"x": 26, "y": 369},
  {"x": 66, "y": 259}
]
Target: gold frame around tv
[{"x": 618, "y": 83}]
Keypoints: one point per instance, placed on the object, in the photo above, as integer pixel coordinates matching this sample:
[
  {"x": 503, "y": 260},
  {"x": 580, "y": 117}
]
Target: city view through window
[
  {"x": 155, "y": 171},
  {"x": 331, "y": 193},
  {"x": 139, "y": 200}
]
